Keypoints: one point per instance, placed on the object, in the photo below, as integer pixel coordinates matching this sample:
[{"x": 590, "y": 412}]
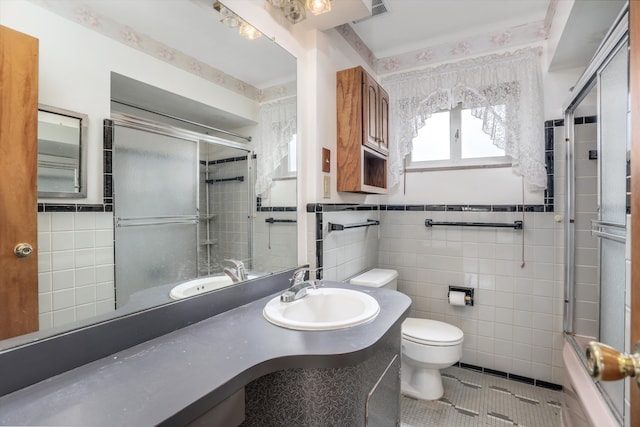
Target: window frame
[{"x": 455, "y": 160}]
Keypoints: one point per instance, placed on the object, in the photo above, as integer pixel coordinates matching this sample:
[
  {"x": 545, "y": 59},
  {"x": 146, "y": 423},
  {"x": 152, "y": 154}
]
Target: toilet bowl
[{"x": 427, "y": 345}]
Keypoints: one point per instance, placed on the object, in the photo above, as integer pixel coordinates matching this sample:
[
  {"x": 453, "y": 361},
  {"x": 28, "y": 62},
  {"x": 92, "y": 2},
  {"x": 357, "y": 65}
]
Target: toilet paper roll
[{"x": 456, "y": 298}]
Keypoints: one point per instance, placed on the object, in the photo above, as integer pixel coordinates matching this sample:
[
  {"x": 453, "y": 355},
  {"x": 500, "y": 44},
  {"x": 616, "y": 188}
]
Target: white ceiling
[
  {"x": 413, "y": 24},
  {"x": 194, "y": 28}
]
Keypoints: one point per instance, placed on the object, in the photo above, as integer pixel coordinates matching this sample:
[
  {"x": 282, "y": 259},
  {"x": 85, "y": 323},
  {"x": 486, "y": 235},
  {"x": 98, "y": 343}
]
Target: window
[
  {"x": 288, "y": 166},
  {"x": 455, "y": 138}
]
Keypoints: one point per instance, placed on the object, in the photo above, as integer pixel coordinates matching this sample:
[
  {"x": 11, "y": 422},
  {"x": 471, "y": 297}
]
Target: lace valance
[
  {"x": 505, "y": 91},
  {"x": 276, "y": 128}
]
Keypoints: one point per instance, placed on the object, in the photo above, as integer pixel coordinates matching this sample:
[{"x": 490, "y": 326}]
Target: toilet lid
[{"x": 431, "y": 332}]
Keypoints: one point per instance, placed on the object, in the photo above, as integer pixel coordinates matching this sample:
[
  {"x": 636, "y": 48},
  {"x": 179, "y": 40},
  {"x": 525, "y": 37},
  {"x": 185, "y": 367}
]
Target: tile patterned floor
[{"x": 475, "y": 399}]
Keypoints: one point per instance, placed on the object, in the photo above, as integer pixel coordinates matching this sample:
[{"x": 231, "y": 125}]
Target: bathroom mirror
[
  {"x": 62, "y": 135},
  {"x": 77, "y": 284}
]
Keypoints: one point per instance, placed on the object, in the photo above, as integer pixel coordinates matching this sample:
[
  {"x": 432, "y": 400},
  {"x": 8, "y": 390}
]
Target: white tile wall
[
  {"x": 230, "y": 202},
  {"x": 75, "y": 266},
  {"x": 515, "y": 325},
  {"x": 587, "y": 294},
  {"x": 348, "y": 252},
  {"x": 274, "y": 245}
]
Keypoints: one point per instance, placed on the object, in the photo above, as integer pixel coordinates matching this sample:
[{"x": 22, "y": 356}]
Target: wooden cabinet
[{"x": 363, "y": 132}]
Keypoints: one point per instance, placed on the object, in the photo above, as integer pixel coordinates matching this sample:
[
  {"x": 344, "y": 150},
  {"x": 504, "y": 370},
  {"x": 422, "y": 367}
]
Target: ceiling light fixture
[
  {"x": 232, "y": 20},
  {"x": 295, "y": 10},
  {"x": 318, "y": 7},
  {"x": 249, "y": 32}
]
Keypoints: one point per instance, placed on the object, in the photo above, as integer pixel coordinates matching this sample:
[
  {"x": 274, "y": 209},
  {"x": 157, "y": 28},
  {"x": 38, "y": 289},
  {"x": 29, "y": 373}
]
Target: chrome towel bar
[
  {"x": 340, "y": 227},
  {"x": 517, "y": 225}
]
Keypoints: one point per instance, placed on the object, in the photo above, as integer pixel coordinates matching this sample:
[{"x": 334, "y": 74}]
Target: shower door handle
[{"x": 605, "y": 363}]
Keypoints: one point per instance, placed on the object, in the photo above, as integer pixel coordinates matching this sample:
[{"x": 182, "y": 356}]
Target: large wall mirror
[{"x": 236, "y": 201}]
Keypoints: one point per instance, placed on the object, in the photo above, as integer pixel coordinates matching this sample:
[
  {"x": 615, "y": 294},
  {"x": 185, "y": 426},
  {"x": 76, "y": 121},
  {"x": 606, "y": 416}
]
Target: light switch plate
[
  {"x": 326, "y": 186},
  {"x": 326, "y": 160}
]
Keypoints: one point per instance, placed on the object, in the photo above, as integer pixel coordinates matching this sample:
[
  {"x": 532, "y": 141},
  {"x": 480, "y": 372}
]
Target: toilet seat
[{"x": 431, "y": 332}]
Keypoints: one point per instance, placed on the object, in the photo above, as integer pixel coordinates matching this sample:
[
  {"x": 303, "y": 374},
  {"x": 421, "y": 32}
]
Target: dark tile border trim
[
  {"x": 513, "y": 377},
  {"x": 339, "y": 207},
  {"x": 276, "y": 209},
  {"x": 229, "y": 160},
  {"x": 55, "y": 207},
  {"x": 464, "y": 208}
]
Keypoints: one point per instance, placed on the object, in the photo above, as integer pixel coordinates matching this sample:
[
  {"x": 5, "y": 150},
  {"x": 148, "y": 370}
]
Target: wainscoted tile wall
[
  {"x": 515, "y": 325},
  {"x": 339, "y": 255},
  {"x": 75, "y": 266},
  {"x": 275, "y": 243},
  {"x": 350, "y": 251},
  {"x": 229, "y": 201}
]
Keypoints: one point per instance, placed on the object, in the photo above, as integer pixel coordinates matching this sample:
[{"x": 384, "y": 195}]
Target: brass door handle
[
  {"x": 22, "y": 250},
  {"x": 605, "y": 363}
]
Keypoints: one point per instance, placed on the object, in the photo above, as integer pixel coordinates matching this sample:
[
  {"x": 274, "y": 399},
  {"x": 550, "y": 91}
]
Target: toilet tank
[{"x": 377, "y": 278}]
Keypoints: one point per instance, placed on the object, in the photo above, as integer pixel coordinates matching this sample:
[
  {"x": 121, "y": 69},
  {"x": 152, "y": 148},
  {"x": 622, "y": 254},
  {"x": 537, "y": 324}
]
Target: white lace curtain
[
  {"x": 505, "y": 91},
  {"x": 276, "y": 128}
]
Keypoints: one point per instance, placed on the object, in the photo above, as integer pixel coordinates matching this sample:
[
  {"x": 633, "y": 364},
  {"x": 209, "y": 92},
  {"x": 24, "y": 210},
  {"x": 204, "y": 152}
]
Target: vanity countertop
[{"x": 171, "y": 378}]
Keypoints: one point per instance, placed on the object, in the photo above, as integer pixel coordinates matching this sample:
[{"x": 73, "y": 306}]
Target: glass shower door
[
  {"x": 611, "y": 224},
  {"x": 156, "y": 210}
]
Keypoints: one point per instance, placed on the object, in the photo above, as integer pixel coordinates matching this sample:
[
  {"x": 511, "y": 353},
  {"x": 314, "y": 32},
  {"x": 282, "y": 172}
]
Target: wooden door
[
  {"x": 18, "y": 182},
  {"x": 634, "y": 75}
]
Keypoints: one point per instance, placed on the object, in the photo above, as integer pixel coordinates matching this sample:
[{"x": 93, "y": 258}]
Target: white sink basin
[
  {"x": 199, "y": 286},
  {"x": 323, "y": 309}
]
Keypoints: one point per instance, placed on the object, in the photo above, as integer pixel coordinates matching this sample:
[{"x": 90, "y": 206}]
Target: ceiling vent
[{"x": 377, "y": 8}]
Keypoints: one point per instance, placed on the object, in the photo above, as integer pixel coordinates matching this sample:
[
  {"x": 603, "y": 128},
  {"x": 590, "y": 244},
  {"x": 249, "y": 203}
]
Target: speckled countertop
[{"x": 174, "y": 377}]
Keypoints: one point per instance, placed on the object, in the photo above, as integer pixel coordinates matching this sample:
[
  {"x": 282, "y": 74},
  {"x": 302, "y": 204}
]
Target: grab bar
[
  {"x": 340, "y": 227},
  {"x": 273, "y": 220},
  {"x": 599, "y": 229},
  {"x": 517, "y": 225}
]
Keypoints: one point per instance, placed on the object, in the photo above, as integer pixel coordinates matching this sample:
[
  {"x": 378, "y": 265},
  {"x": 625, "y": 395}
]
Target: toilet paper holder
[{"x": 468, "y": 294}]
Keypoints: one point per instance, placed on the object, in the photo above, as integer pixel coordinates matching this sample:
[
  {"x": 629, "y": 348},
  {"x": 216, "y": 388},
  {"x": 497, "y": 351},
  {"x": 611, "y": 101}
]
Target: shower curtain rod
[{"x": 169, "y": 116}]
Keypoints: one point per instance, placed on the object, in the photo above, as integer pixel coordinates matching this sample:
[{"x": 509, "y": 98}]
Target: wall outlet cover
[{"x": 326, "y": 186}]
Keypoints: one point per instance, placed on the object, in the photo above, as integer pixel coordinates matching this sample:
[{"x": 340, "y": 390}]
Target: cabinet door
[
  {"x": 383, "y": 121},
  {"x": 370, "y": 112}
]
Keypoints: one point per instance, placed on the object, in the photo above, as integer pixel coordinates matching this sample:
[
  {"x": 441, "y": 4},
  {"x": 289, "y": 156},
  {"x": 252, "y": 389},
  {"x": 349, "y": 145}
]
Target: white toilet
[{"x": 427, "y": 345}]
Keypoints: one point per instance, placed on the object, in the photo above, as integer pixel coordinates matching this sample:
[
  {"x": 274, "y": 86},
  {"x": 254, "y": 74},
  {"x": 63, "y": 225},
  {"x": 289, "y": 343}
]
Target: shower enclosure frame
[{"x": 615, "y": 40}]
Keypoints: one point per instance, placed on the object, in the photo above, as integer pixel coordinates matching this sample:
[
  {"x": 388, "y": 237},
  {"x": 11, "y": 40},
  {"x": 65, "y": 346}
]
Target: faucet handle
[{"x": 300, "y": 274}]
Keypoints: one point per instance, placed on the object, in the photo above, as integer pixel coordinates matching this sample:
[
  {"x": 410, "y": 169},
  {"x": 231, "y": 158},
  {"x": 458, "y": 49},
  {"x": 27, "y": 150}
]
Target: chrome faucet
[
  {"x": 237, "y": 275},
  {"x": 299, "y": 286}
]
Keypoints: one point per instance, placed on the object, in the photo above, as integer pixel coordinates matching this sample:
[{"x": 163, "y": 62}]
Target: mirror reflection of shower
[
  {"x": 182, "y": 206},
  {"x": 224, "y": 207}
]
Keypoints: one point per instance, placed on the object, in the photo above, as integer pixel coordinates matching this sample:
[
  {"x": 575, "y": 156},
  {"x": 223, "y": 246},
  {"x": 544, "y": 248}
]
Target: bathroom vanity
[{"x": 288, "y": 377}]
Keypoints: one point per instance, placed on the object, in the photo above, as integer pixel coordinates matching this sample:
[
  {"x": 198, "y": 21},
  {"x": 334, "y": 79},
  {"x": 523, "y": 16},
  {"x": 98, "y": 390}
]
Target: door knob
[
  {"x": 23, "y": 250},
  {"x": 605, "y": 363}
]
